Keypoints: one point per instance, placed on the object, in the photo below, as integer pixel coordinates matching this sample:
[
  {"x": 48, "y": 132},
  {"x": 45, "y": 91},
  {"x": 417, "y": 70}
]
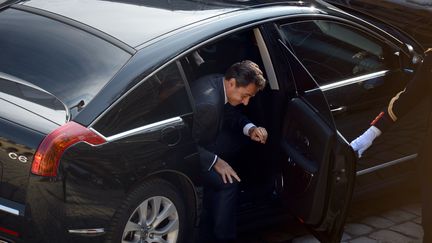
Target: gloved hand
[{"x": 364, "y": 141}]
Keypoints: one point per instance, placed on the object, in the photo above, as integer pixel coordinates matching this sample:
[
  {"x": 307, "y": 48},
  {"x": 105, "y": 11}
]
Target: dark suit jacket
[{"x": 211, "y": 114}]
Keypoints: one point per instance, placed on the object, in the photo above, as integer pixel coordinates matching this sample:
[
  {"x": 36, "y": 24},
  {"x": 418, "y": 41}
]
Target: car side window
[
  {"x": 334, "y": 51},
  {"x": 159, "y": 97},
  {"x": 218, "y": 56}
]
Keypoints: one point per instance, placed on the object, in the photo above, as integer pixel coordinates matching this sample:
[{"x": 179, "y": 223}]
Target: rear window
[
  {"x": 32, "y": 99},
  {"x": 71, "y": 64}
]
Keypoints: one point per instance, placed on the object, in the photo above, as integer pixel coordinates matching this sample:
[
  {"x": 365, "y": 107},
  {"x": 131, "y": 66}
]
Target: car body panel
[
  {"x": 18, "y": 145},
  {"x": 17, "y": 141},
  {"x": 91, "y": 187},
  {"x": 144, "y": 114}
]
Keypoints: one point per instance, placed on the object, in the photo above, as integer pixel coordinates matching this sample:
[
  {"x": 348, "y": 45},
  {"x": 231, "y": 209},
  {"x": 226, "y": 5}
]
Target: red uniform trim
[{"x": 380, "y": 115}]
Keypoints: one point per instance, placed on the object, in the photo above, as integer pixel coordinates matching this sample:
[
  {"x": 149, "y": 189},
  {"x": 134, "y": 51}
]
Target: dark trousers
[
  {"x": 218, "y": 221},
  {"x": 220, "y": 202}
]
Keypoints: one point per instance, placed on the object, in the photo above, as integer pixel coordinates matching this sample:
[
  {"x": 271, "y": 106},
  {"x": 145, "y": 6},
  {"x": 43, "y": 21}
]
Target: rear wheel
[{"x": 154, "y": 212}]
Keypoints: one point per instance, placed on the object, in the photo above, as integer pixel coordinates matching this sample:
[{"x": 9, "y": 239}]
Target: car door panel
[
  {"x": 318, "y": 165},
  {"x": 307, "y": 142}
]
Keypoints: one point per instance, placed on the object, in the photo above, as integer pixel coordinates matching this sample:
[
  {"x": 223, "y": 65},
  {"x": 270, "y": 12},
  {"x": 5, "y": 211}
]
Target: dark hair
[{"x": 245, "y": 73}]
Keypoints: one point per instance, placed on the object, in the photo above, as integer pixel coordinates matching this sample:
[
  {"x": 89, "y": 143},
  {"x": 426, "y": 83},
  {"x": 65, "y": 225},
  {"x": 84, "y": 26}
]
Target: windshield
[{"x": 71, "y": 64}]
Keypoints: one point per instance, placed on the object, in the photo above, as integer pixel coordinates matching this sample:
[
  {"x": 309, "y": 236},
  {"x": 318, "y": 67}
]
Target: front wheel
[{"x": 152, "y": 213}]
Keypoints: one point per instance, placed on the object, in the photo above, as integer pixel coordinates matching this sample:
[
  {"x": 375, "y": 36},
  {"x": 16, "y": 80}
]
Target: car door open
[{"x": 320, "y": 168}]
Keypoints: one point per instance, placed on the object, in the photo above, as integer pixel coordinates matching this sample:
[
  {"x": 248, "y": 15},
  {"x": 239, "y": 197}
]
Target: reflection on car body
[{"x": 109, "y": 140}]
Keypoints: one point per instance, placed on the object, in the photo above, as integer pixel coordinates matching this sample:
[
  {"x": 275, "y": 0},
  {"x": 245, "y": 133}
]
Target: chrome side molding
[
  {"x": 11, "y": 207},
  {"x": 354, "y": 80},
  {"x": 387, "y": 164},
  {"x": 88, "y": 232},
  {"x": 149, "y": 127}
]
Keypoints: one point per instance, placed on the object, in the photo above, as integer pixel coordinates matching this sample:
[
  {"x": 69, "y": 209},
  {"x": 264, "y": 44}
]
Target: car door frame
[
  {"x": 341, "y": 170},
  {"x": 378, "y": 157}
]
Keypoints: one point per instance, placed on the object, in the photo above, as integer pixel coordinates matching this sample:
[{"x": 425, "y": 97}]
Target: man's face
[{"x": 239, "y": 95}]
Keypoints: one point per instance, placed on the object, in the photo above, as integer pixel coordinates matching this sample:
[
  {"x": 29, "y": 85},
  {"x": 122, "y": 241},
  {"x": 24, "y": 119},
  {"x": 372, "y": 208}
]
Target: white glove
[{"x": 365, "y": 140}]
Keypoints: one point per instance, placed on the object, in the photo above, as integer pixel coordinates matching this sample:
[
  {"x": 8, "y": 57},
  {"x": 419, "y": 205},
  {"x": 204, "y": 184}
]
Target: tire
[{"x": 164, "y": 217}]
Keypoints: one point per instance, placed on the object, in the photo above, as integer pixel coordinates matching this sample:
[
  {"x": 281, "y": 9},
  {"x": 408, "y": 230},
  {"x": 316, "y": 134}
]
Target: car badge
[{"x": 20, "y": 158}]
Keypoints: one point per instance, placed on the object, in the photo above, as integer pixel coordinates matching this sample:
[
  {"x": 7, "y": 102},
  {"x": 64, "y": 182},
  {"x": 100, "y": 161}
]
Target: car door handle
[
  {"x": 372, "y": 84},
  {"x": 298, "y": 158},
  {"x": 170, "y": 136},
  {"x": 339, "y": 110}
]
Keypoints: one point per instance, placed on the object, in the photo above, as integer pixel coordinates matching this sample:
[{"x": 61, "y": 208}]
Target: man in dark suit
[{"x": 215, "y": 119}]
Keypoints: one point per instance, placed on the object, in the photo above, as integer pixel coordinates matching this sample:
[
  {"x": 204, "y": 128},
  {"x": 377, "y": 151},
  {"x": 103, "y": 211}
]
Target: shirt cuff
[
  {"x": 214, "y": 161},
  {"x": 247, "y": 127},
  {"x": 376, "y": 131}
]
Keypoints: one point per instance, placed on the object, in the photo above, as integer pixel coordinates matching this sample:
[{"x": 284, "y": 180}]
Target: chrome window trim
[
  {"x": 387, "y": 164},
  {"x": 149, "y": 127},
  {"x": 9, "y": 210},
  {"x": 354, "y": 80},
  {"x": 98, "y": 133}
]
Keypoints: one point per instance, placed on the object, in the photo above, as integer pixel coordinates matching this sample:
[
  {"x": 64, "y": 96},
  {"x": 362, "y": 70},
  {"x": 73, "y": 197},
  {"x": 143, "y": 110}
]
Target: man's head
[{"x": 242, "y": 81}]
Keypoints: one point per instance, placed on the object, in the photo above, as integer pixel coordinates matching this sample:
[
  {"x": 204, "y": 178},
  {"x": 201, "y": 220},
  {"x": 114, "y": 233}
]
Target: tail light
[
  {"x": 47, "y": 157},
  {"x": 9, "y": 232}
]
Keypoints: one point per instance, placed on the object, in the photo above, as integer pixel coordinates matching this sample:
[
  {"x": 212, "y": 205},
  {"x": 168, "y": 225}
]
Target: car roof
[{"x": 135, "y": 22}]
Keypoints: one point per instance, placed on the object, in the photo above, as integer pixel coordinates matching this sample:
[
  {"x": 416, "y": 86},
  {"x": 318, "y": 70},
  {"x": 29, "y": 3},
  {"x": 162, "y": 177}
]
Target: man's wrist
[
  {"x": 251, "y": 130},
  {"x": 247, "y": 129}
]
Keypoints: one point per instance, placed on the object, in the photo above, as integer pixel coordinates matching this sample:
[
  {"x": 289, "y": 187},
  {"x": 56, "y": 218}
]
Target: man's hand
[
  {"x": 258, "y": 134},
  {"x": 364, "y": 141},
  {"x": 225, "y": 171}
]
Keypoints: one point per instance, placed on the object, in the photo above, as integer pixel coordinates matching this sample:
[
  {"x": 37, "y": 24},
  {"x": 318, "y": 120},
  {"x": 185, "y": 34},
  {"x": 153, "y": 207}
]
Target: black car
[{"x": 96, "y": 114}]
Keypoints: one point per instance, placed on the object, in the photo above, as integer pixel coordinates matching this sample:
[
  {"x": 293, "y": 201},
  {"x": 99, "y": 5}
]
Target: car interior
[
  {"x": 291, "y": 171},
  {"x": 261, "y": 167},
  {"x": 256, "y": 164}
]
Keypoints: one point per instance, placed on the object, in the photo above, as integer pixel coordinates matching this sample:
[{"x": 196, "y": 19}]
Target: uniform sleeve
[{"x": 406, "y": 99}]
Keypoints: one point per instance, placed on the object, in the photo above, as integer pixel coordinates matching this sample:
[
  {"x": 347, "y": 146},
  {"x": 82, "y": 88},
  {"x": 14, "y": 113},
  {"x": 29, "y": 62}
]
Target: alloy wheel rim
[{"x": 155, "y": 220}]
